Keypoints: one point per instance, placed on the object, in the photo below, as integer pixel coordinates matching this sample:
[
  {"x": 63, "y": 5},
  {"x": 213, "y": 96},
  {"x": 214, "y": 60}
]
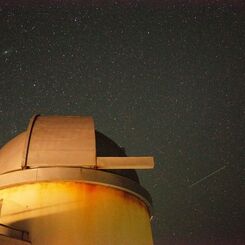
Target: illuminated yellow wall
[{"x": 68, "y": 213}]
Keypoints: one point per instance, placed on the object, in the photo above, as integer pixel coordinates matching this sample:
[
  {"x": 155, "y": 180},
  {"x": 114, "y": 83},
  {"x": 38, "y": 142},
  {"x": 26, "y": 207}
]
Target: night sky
[{"x": 166, "y": 80}]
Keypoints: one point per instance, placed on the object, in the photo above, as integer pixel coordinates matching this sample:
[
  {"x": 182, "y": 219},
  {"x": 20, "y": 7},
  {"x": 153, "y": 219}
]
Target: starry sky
[{"x": 162, "y": 79}]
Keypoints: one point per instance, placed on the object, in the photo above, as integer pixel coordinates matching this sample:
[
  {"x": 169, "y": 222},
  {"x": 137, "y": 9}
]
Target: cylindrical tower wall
[{"x": 62, "y": 213}]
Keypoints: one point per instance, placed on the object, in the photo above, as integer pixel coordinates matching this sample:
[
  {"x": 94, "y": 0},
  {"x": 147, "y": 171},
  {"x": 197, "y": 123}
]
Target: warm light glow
[{"x": 62, "y": 213}]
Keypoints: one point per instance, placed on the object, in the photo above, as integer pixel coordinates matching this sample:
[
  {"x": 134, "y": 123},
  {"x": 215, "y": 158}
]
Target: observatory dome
[{"x": 63, "y": 175}]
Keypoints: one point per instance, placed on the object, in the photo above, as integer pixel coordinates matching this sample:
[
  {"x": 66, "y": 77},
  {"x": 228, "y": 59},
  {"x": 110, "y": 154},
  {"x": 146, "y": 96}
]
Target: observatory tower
[{"x": 64, "y": 183}]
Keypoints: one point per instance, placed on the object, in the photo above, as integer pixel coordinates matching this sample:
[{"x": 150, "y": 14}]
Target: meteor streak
[{"x": 208, "y": 176}]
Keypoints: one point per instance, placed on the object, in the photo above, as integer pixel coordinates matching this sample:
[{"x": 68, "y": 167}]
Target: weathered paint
[{"x": 64, "y": 213}]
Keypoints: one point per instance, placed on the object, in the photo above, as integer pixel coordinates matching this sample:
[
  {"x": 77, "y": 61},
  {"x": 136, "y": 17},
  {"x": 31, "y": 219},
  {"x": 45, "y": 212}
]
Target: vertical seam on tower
[{"x": 27, "y": 142}]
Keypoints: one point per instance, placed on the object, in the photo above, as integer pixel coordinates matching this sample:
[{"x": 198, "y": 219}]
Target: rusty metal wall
[{"x": 62, "y": 213}]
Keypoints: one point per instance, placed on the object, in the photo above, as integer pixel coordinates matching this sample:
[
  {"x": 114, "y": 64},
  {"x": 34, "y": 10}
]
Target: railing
[{"x": 23, "y": 235}]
